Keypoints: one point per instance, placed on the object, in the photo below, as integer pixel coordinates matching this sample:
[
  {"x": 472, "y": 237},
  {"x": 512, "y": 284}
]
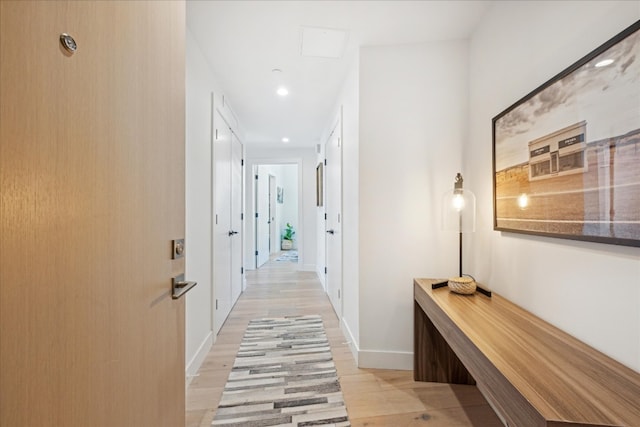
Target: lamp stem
[{"x": 460, "y": 244}]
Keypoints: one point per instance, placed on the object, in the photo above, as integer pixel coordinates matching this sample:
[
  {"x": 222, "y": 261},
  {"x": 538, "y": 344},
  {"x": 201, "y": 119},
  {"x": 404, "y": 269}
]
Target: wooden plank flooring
[{"x": 373, "y": 397}]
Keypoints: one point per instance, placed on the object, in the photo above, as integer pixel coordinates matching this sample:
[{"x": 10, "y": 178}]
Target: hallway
[{"x": 373, "y": 397}]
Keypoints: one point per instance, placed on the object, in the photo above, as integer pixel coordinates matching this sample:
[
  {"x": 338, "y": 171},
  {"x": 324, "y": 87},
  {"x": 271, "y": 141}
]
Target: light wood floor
[{"x": 373, "y": 397}]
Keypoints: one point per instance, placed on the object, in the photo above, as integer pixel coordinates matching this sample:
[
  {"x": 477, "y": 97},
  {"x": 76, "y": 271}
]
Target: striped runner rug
[{"x": 283, "y": 375}]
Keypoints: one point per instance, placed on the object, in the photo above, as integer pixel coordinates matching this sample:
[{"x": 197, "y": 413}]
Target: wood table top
[{"x": 563, "y": 378}]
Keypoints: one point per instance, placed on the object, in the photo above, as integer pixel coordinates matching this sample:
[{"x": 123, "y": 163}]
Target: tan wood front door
[{"x": 91, "y": 195}]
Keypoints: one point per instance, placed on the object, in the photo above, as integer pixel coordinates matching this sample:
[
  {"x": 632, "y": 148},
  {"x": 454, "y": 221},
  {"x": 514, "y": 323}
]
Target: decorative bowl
[{"x": 462, "y": 285}]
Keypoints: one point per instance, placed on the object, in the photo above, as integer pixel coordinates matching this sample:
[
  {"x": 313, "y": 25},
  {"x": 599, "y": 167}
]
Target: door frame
[
  {"x": 273, "y": 231},
  {"x": 251, "y": 204},
  {"x": 261, "y": 221}
]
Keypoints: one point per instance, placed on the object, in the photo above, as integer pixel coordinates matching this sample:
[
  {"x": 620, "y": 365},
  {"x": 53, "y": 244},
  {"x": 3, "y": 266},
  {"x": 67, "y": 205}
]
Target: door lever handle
[
  {"x": 331, "y": 231},
  {"x": 231, "y": 233},
  {"x": 179, "y": 286}
]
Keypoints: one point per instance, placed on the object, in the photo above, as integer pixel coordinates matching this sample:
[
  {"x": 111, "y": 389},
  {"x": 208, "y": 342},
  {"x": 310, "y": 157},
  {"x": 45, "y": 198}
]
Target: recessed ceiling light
[
  {"x": 604, "y": 63},
  {"x": 282, "y": 91},
  {"x": 285, "y": 139},
  {"x": 276, "y": 70}
]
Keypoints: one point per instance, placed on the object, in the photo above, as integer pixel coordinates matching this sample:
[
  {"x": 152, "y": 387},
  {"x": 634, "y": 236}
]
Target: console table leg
[{"x": 433, "y": 359}]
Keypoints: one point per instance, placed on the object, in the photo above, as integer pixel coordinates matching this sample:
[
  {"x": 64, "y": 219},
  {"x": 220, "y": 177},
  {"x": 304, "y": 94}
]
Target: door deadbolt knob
[
  {"x": 68, "y": 42},
  {"x": 179, "y": 248}
]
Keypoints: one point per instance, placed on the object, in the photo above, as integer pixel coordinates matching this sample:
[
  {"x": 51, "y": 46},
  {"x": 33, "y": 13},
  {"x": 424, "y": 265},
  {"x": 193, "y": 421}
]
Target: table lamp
[{"x": 459, "y": 214}]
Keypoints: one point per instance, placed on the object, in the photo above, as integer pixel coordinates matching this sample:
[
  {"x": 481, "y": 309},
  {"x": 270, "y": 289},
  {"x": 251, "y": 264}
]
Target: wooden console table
[{"x": 532, "y": 373}]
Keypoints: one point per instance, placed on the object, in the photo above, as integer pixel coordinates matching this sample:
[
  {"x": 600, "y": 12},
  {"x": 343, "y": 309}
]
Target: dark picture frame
[
  {"x": 319, "y": 185},
  {"x": 566, "y": 157}
]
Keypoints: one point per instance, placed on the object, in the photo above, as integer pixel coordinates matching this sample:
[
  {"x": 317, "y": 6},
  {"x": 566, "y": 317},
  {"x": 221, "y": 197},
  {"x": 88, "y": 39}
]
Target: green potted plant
[{"x": 287, "y": 237}]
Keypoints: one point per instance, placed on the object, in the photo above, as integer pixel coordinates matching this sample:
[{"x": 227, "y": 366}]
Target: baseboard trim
[
  {"x": 400, "y": 360},
  {"x": 196, "y": 361},
  {"x": 321, "y": 278},
  {"x": 353, "y": 346}
]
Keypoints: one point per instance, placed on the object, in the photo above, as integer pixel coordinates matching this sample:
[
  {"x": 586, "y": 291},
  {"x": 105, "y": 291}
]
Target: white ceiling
[{"x": 244, "y": 40}]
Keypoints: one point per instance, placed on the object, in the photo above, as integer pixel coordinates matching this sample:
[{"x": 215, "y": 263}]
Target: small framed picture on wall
[{"x": 319, "y": 189}]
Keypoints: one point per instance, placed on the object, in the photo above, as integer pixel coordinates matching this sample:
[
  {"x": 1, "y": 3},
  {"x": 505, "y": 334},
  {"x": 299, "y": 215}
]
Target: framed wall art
[
  {"x": 319, "y": 188},
  {"x": 566, "y": 157},
  {"x": 280, "y": 195}
]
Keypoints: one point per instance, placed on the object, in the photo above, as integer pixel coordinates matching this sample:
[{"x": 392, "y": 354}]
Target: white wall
[
  {"x": 306, "y": 236},
  {"x": 199, "y": 87},
  {"x": 347, "y": 104},
  {"x": 590, "y": 290},
  {"x": 413, "y": 119}
]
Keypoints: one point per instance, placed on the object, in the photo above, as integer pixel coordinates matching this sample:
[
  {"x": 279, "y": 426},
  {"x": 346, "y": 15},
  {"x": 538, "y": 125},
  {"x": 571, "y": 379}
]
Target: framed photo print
[
  {"x": 319, "y": 183},
  {"x": 280, "y": 195},
  {"x": 566, "y": 157}
]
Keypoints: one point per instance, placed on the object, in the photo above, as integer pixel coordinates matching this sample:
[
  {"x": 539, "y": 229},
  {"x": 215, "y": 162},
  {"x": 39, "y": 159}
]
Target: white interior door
[
  {"x": 274, "y": 244},
  {"x": 333, "y": 228},
  {"x": 262, "y": 217},
  {"x": 222, "y": 221},
  {"x": 236, "y": 230}
]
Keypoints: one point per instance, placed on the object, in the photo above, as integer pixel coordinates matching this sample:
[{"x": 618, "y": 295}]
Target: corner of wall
[
  {"x": 351, "y": 341},
  {"x": 196, "y": 361},
  {"x": 373, "y": 359}
]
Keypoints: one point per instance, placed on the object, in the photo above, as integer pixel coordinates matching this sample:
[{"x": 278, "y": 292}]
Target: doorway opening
[{"x": 277, "y": 227}]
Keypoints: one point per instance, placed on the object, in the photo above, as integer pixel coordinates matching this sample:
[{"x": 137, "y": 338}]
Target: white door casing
[
  {"x": 274, "y": 242},
  {"x": 262, "y": 216}
]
